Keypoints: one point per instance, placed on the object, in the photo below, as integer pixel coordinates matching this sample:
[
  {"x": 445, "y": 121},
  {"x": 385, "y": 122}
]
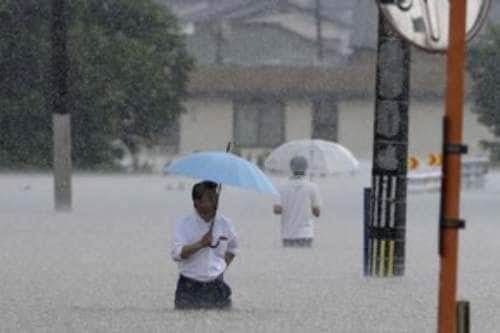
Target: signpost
[{"x": 444, "y": 26}]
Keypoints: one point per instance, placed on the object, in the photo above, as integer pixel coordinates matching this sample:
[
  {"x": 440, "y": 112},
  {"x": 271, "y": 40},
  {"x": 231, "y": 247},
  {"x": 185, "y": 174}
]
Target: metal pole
[
  {"x": 452, "y": 148},
  {"x": 319, "y": 32},
  {"x": 463, "y": 317},
  {"x": 61, "y": 116},
  {"x": 387, "y": 229}
]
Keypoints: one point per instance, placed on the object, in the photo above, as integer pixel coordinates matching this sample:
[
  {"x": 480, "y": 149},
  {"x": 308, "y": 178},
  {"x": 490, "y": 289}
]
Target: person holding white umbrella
[
  {"x": 324, "y": 158},
  {"x": 300, "y": 202}
]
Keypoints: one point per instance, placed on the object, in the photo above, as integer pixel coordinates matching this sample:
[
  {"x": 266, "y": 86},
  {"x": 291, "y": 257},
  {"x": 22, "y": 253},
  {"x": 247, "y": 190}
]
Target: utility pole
[
  {"x": 319, "y": 32},
  {"x": 386, "y": 231},
  {"x": 217, "y": 32},
  {"x": 219, "y": 43},
  {"x": 59, "y": 67}
]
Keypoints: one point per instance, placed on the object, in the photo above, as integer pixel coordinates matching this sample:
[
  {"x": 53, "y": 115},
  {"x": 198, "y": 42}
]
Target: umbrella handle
[
  {"x": 218, "y": 242},
  {"x": 210, "y": 230},
  {"x": 214, "y": 246}
]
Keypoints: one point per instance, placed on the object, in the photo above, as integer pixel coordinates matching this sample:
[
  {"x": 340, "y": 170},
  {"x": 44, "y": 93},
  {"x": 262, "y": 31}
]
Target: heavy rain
[{"x": 112, "y": 110}]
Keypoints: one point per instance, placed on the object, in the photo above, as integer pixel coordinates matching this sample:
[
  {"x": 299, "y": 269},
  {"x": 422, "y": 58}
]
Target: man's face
[{"x": 207, "y": 204}]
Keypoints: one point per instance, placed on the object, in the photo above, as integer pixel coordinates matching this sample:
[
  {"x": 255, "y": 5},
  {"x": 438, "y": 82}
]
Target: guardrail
[{"x": 474, "y": 171}]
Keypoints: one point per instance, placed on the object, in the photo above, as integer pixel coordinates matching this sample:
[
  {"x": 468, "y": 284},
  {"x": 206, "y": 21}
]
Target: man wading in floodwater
[
  {"x": 204, "y": 245},
  {"x": 300, "y": 201}
]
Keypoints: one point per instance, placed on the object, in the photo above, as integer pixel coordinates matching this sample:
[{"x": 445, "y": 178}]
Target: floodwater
[{"x": 105, "y": 267}]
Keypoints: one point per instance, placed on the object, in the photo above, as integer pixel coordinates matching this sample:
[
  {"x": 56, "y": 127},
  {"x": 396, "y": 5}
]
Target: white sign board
[{"x": 425, "y": 23}]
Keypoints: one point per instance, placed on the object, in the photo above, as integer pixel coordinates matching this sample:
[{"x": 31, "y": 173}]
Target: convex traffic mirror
[{"x": 425, "y": 23}]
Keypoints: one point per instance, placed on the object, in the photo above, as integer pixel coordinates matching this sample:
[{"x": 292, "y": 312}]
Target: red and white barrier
[{"x": 474, "y": 171}]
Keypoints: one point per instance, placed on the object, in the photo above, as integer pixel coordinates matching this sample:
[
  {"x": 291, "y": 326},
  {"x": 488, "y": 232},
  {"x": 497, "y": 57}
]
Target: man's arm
[
  {"x": 229, "y": 257},
  {"x": 232, "y": 247},
  {"x": 315, "y": 201}
]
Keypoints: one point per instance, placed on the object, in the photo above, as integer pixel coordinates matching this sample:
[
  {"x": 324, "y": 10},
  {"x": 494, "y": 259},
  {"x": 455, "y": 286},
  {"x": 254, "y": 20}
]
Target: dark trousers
[
  {"x": 297, "y": 242},
  {"x": 193, "y": 294}
]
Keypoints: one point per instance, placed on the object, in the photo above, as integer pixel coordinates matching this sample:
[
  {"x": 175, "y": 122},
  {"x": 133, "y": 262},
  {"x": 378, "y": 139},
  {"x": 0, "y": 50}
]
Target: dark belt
[
  {"x": 200, "y": 284},
  {"x": 297, "y": 242}
]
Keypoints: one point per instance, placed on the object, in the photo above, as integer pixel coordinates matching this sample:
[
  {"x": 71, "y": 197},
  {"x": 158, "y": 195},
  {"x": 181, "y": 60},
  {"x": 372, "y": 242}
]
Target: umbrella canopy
[
  {"x": 323, "y": 157},
  {"x": 220, "y": 167}
]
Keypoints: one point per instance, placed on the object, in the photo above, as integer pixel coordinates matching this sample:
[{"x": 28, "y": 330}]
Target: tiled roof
[{"x": 355, "y": 80}]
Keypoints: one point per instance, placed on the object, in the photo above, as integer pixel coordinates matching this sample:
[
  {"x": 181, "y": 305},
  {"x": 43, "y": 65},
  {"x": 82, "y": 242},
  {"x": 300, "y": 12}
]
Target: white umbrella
[{"x": 323, "y": 157}]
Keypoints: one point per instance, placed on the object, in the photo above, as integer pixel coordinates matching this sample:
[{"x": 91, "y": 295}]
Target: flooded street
[{"x": 105, "y": 267}]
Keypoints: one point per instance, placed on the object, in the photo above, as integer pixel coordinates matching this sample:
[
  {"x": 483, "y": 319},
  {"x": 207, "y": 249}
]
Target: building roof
[
  {"x": 355, "y": 80},
  {"x": 202, "y": 10},
  {"x": 297, "y": 16},
  {"x": 305, "y": 26},
  {"x": 360, "y": 16}
]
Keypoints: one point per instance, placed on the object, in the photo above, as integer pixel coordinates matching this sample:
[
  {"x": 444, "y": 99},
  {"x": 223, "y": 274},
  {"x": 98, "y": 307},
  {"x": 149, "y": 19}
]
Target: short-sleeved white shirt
[
  {"x": 206, "y": 264},
  {"x": 297, "y": 197}
]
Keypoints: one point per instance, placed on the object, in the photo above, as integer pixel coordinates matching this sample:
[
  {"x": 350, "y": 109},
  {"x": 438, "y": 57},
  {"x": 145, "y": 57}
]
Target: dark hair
[{"x": 200, "y": 188}]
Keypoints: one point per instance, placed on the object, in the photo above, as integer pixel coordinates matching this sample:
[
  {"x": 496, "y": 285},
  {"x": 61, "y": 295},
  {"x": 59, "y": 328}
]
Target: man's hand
[
  {"x": 277, "y": 209},
  {"x": 189, "y": 250},
  {"x": 206, "y": 240},
  {"x": 229, "y": 257},
  {"x": 316, "y": 211}
]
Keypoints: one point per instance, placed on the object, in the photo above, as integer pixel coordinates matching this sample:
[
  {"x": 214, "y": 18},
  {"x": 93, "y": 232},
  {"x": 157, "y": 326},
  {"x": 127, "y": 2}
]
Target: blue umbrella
[{"x": 220, "y": 167}]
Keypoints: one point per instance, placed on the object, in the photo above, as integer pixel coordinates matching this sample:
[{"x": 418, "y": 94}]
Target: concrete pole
[
  {"x": 61, "y": 116},
  {"x": 62, "y": 161},
  {"x": 387, "y": 226},
  {"x": 319, "y": 32}
]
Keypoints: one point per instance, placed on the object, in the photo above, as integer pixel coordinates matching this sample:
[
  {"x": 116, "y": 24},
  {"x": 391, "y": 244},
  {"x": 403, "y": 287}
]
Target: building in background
[
  {"x": 269, "y": 71},
  {"x": 266, "y": 32}
]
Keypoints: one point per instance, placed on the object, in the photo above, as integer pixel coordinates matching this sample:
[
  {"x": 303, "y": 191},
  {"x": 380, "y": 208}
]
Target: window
[
  {"x": 325, "y": 119},
  {"x": 258, "y": 123}
]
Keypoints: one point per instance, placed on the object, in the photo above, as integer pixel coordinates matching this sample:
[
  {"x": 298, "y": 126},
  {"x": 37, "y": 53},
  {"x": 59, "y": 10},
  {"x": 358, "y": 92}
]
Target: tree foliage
[
  {"x": 484, "y": 67},
  {"x": 128, "y": 76}
]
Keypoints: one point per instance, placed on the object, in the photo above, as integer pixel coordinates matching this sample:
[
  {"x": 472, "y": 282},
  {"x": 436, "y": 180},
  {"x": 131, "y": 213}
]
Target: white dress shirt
[
  {"x": 297, "y": 197},
  {"x": 206, "y": 264}
]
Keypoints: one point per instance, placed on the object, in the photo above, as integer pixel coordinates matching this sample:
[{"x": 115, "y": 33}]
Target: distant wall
[
  {"x": 207, "y": 124},
  {"x": 355, "y": 126},
  {"x": 425, "y": 132},
  {"x": 298, "y": 119},
  {"x": 426, "y": 128}
]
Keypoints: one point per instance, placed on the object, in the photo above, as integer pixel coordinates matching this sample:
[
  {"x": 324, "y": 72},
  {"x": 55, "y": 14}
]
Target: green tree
[
  {"x": 484, "y": 67},
  {"x": 128, "y": 76},
  {"x": 25, "y": 127}
]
